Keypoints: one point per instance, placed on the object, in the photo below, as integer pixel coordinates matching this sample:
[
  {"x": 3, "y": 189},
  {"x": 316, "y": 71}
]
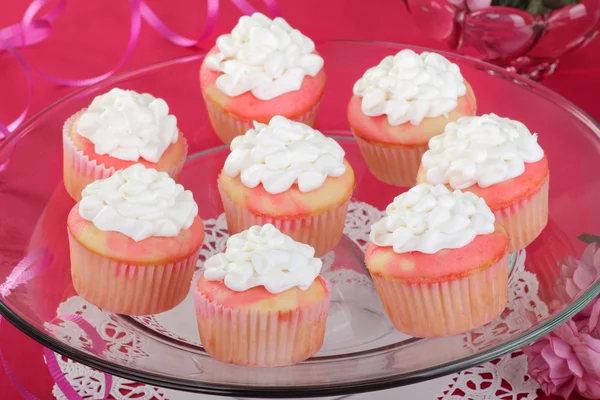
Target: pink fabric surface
[{"x": 90, "y": 37}]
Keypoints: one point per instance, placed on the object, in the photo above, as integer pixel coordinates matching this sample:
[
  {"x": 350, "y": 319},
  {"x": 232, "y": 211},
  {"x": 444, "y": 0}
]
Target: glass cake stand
[{"x": 362, "y": 352}]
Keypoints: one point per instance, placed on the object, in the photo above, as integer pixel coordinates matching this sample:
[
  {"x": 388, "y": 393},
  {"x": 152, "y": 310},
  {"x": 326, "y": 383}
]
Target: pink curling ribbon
[
  {"x": 27, "y": 32},
  {"x": 32, "y": 30},
  {"x": 98, "y": 346},
  {"x": 28, "y": 268}
]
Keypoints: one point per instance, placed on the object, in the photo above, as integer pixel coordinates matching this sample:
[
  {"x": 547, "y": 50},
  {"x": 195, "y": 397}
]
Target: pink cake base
[
  {"x": 123, "y": 288},
  {"x": 255, "y": 338},
  {"x": 445, "y": 308},
  {"x": 227, "y": 126},
  {"x": 322, "y": 232},
  {"x": 392, "y": 164},
  {"x": 79, "y": 171},
  {"x": 525, "y": 220}
]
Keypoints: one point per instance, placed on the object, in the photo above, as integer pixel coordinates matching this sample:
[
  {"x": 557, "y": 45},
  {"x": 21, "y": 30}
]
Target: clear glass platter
[{"x": 362, "y": 352}]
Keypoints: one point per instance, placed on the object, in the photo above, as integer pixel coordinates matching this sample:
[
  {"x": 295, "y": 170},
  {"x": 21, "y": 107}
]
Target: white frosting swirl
[
  {"x": 430, "y": 218},
  {"x": 409, "y": 87},
  {"x": 128, "y": 125},
  {"x": 139, "y": 202},
  {"x": 263, "y": 256},
  {"x": 481, "y": 150},
  {"x": 283, "y": 153},
  {"x": 264, "y": 56}
]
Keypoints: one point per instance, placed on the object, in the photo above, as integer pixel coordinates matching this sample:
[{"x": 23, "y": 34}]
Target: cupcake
[
  {"x": 289, "y": 175},
  {"x": 499, "y": 160},
  {"x": 439, "y": 262},
  {"x": 261, "y": 69},
  {"x": 134, "y": 239},
  {"x": 262, "y": 303},
  {"x": 119, "y": 129},
  {"x": 399, "y": 105}
]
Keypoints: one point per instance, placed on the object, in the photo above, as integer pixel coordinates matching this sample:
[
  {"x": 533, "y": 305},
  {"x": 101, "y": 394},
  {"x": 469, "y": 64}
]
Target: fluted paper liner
[
  {"x": 123, "y": 288},
  {"x": 322, "y": 232},
  {"x": 255, "y": 338},
  {"x": 445, "y": 308},
  {"x": 227, "y": 125},
  {"x": 79, "y": 171},
  {"x": 526, "y": 220},
  {"x": 392, "y": 164}
]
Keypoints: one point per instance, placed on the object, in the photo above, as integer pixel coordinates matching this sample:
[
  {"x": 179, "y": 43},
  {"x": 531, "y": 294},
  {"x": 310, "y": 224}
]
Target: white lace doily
[{"x": 504, "y": 378}]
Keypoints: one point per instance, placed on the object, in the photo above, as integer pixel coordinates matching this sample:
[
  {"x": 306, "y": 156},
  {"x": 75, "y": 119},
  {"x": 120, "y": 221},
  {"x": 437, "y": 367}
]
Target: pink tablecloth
[{"x": 91, "y": 35}]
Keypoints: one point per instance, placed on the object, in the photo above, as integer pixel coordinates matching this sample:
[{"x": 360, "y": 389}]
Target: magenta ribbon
[
  {"x": 98, "y": 346},
  {"x": 32, "y": 30}
]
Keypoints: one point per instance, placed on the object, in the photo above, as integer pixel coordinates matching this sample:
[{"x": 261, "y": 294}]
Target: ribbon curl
[
  {"x": 32, "y": 30},
  {"x": 98, "y": 346}
]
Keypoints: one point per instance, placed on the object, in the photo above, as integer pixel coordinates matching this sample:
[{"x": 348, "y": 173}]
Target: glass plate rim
[
  {"x": 320, "y": 389},
  {"x": 496, "y": 70}
]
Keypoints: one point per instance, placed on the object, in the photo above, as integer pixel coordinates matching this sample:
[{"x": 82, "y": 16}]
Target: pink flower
[
  {"x": 577, "y": 275},
  {"x": 568, "y": 358}
]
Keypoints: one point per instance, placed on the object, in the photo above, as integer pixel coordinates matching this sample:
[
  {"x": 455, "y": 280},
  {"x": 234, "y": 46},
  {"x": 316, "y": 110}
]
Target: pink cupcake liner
[
  {"x": 124, "y": 288},
  {"x": 227, "y": 126},
  {"x": 394, "y": 165},
  {"x": 526, "y": 220},
  {"x": 445, "y": 308},
  {"x": 80, "y": 171},
  {"x": 323, "y": 232},
  {"x": 255, "y": 338}
]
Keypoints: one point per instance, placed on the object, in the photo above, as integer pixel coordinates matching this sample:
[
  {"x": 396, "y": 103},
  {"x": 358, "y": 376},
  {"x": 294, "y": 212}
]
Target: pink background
[{"x": 90, "y": 37}]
